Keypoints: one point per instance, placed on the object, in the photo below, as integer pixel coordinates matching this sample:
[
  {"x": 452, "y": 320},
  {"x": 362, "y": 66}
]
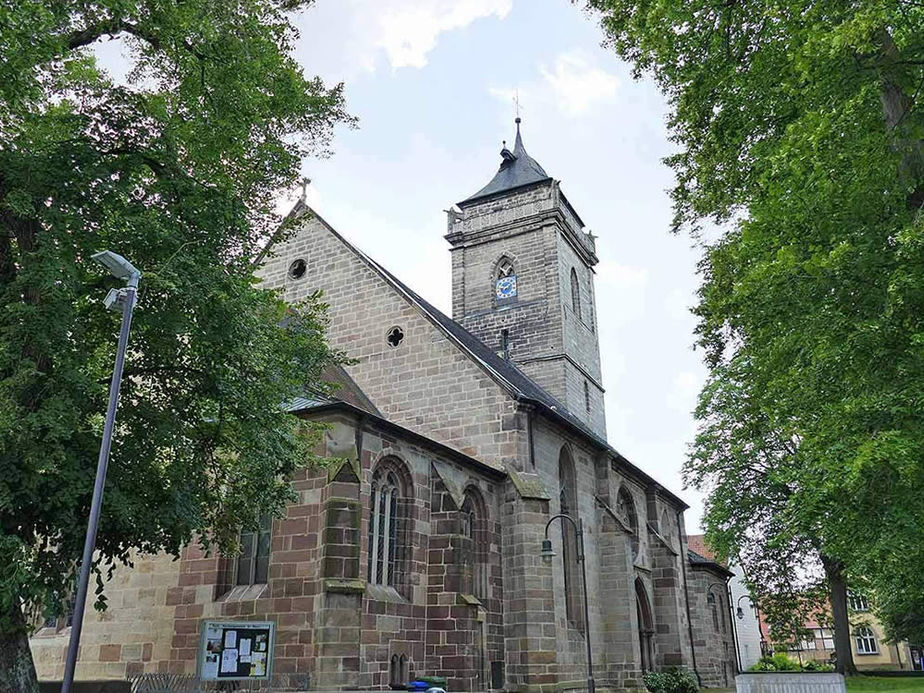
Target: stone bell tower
[{"x": 522, "y": 281}]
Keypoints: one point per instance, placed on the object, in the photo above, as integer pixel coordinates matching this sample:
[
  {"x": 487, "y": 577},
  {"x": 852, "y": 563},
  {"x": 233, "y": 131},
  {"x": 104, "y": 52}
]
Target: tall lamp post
[
  {"x": 547, "y": 553},
  {"x": 117, "y": 299}
]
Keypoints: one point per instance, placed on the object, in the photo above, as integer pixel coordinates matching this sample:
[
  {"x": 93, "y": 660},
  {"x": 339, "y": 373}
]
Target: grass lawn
[{"x": 861, "y": 684}]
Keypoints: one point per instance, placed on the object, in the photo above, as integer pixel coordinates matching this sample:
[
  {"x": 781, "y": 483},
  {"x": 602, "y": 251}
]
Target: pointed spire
[{"x": 517, "y": 169}]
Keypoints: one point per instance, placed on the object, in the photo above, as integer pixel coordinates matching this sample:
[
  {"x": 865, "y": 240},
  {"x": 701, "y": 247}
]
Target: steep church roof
[{"x": 517, "y": 170}]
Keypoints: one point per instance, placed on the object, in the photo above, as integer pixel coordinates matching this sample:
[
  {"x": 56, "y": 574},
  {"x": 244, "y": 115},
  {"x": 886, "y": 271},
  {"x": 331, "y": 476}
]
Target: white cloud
[
  {"x": 578, "y": 84},
  {"x": 340, "y": 38},
  {"x": 574, "y": 84},
  {"x": 408, "y": 29}
]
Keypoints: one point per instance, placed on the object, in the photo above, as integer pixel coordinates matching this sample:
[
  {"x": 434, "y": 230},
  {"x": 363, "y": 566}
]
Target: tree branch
[{"x": 113, "y": 27}]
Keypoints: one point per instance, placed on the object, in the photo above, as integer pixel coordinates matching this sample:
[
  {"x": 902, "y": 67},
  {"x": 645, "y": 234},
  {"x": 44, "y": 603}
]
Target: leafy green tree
[
  {"x": 177, "y": 170},
  {"x": 800, "y": 168}
]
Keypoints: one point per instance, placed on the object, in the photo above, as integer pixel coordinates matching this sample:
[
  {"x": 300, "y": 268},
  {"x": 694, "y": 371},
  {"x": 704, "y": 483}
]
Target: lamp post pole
[
  {"x": 547, "y": 554},
  {"x": 123, "y": 298}
]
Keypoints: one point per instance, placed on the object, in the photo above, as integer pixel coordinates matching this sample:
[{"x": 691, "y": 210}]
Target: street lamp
[
  {"x": 739, "y": 610},
  {"x": 117, "y": 299},
  {"x": 547, "y": 554}
]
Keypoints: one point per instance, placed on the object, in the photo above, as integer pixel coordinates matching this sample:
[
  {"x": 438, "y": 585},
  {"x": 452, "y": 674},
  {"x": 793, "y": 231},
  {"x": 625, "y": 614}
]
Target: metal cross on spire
[
  {"x": 516, "y": 104},
  {"x": 305, "y": 183}
]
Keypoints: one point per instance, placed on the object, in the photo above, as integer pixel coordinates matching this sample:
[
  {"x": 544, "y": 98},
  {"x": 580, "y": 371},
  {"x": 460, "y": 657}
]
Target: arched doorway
[{"x": 645, "y": 626}]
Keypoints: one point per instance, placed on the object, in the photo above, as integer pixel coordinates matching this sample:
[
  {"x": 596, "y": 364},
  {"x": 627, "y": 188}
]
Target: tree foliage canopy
[
  {"x": 178, "y": 169},
  {"x": 799, "y": 131}
]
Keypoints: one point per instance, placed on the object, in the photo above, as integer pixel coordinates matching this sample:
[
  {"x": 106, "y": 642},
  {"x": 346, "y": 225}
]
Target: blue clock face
[{"x": 506, "y": 287}]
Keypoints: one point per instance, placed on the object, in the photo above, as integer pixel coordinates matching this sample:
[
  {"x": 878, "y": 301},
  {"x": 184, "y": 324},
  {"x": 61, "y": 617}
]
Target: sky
[{"x": 432, "y": 83}]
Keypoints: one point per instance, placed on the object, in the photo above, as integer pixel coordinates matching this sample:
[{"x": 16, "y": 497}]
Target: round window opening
[
  {"x": 394, "y": 337},
  {"x": 297, "y": 269}
]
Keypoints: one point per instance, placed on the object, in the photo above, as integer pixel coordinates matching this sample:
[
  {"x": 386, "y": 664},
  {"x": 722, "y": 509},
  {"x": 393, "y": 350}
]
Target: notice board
[{"x": 236, "y": 650}]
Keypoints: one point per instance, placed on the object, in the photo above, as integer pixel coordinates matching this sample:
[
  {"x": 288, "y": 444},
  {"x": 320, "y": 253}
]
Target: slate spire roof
[{"x": 518, "y": 169}]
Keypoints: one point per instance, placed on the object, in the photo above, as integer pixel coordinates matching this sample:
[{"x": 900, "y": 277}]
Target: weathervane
[{"x": 516, "y": 104}]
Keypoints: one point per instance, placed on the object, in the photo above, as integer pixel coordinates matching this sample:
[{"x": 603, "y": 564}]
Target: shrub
[
  {"x": 782, "y": 662},
  {"x": 671, "y": 681},
  {"x": 812, "y": 665}
]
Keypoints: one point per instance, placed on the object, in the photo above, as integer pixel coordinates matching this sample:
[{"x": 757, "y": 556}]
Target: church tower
[{"x": 522, "y": 281}]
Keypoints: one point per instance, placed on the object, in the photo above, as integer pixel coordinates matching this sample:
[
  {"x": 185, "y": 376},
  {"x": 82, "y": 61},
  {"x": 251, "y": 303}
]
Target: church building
[{"x": 460, "y": 439}]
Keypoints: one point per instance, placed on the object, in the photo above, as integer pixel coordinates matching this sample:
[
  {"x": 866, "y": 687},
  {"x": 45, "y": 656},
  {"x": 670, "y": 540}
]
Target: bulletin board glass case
[{"x": 236, "y": 650}]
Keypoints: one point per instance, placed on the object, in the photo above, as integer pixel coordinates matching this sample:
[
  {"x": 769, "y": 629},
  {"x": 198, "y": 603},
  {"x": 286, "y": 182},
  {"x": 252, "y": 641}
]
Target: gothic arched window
[
  {"x": 505, "y": 281},
  {"x": 568, "y": 499},
  {"x": 625, "y": 507},
  {"x": 387, "y": 518},
  {"x": 645, "y": 625},
  {"x": 575, "y": 294},
  {"x": 474, "y": 526},
  {"x": 710, "y": 600}
]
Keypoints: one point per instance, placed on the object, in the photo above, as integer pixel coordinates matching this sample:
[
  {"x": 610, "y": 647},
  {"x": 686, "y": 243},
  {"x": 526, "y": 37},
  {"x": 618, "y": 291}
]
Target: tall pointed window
[
  {"x": 568, "y": 499},
  {"x": 625, "y": 507},
  {"x": 387, "y": 507},
  {"x": 575, "y": 294},
  {"x": 473, "y": 518},
  {"x": 710, "y": 600},
  {"x": 505, "y": 281},
  {"x": 645, "y": 625}
]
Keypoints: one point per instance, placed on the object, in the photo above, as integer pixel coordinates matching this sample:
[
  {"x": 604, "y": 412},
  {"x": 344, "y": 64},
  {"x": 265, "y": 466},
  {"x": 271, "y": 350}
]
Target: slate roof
[
  {"x": 320, "y": 404},
  {"x": 517, "y": 170},
  {"x": 696, "y": 559}
]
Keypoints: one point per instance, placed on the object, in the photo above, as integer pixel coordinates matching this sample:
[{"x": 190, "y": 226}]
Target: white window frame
[
  {"x": 865, "y": 640},
  {"x": 858, "y": 602}
]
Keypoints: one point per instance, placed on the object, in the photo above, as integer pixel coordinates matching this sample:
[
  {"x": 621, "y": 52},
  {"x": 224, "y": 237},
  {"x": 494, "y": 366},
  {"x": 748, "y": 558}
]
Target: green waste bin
[{"x": 434, "y": 681}]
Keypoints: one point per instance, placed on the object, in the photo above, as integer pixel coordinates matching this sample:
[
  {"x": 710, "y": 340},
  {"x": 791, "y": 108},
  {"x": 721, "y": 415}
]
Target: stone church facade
[{"x": 419, "y": 554}]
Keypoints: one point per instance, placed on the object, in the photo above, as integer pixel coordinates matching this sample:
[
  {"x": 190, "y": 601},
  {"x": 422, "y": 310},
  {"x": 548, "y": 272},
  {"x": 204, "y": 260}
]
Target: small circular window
[
  {"x": 297, "y": 269},
  {"x": 394, "y": 337}
]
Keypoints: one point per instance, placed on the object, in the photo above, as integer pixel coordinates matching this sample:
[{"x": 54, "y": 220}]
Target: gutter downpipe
[
  {"x": 686, "y": 595},
  {"x": 529, "y": 434}
]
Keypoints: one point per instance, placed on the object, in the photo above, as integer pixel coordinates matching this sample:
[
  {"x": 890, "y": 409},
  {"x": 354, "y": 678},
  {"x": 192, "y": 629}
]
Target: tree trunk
[
  {"x": 837, "y": 595},
  {"x": 896, "y": 104},
  {"x": 17, "y": 670}
]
